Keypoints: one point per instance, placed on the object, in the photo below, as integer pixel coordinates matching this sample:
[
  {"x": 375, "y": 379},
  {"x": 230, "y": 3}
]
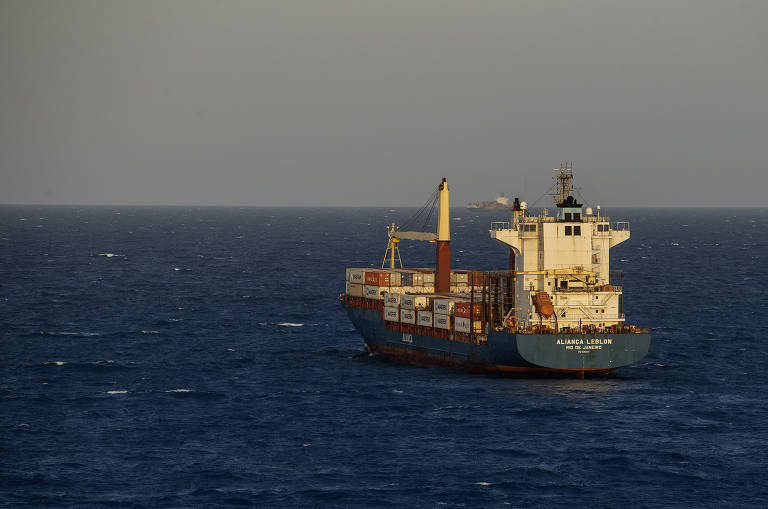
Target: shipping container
[
  {"x": 425, "y": 318},
  {"x": 461, "y": 324},
  {"x": 478, "y": 279},
  {"x": 442, "y": 306},
  {"x": 391, "y": 299},
  {"x": 391, "y": 314},
  {"x": 356, "y": 290},
  {"x": 395, "y": 278},
  {"x": 461, "y": 277},
  {"x": 377, "y": 278},
  {"x": 413, "y": 301},
  {"x": 356, "y": 276},
  {"x": 441, "y": 321},
  {"x": 373, "y": 292},
  {"x": 462, "y": 309},
  {"x": 429, "y": 278},
  {"x": 418, "y": 279},
  {"x": 406, "y": 278},
  {"x": 408, "y": 316}
]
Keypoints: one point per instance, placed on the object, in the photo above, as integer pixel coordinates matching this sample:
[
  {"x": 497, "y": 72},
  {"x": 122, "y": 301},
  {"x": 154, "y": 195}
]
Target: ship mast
[
  {"x": 443, "y": 252},
  {"x": 563, "y": 183}
]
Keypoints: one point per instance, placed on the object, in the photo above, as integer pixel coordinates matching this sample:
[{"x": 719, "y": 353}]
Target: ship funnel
[{"x": 443, "y": 254}]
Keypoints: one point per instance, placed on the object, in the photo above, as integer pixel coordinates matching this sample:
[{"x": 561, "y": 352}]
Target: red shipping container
[
  {"x": 372, "y": 278},
  {"x": 377, "y": 278},
  {"x": 462, "y": 309}
]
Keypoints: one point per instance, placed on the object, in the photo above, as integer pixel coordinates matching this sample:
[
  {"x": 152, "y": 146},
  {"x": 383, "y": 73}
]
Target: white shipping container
[
  {"x": 408, "y": 316},
  {"x": 356, "y": 290},
  {"x": 425, "y": 318},
  {"x": 356, "y": 276},
  {"x": 391, "y": 299},
  {"x": 465, "y": 289},
  {"x": 461, "y": 277},
  {"x": 395, "y": 278},
  {"x": 372, "y": 292},
  {"x": 391, "y": 314},
  {"x": 413, "y": 301},
  {"x": 442, "y": 321},
  {"x": 429, "y": 278},
  {"x": 418, "y": 279},
  {"x": 428, "y": 289},
  {"x": 461, "y": 324},
  {"x": 442, "y": 306}
]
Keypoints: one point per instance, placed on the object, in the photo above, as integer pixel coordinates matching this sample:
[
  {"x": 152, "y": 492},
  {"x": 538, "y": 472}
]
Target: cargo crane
[{"x": 440, "y": 199}]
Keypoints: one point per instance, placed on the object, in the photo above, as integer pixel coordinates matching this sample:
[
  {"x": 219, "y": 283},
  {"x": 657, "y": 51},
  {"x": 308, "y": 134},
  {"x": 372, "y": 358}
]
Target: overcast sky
[{"x": 255, "y": 102}]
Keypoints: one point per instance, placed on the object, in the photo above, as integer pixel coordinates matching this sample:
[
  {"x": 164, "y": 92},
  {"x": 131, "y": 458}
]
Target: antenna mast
[{"x": 563, "y": 184}]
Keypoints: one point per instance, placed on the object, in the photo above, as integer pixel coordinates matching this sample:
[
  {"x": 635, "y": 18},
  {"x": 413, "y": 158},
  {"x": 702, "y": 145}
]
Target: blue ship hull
[{"x": 498, "y": 351}]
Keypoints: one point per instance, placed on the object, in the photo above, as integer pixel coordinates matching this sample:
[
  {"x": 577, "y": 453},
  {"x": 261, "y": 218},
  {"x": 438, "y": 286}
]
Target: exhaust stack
[{"x": 443, "y": 280}]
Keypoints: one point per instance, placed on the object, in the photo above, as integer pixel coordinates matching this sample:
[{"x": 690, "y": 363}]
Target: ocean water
[{"x": 198, "y": 357}]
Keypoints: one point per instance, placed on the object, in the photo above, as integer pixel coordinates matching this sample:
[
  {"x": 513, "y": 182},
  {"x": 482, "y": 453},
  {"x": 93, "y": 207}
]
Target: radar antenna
[{"x": 563, "y": 183}]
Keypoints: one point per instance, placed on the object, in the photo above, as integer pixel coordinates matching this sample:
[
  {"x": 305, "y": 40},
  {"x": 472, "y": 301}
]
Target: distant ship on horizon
[{"x": 500, "y": 203}]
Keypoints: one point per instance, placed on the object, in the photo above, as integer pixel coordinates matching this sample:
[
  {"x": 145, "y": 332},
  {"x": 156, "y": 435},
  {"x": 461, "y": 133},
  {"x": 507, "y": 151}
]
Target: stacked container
[{"x": 355, "y": 282}]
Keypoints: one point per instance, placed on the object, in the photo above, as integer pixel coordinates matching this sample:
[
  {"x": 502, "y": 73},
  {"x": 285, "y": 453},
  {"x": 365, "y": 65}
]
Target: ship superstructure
[
  {"x": 567, "y": 256},
  {"x": 557, "y": 309}
]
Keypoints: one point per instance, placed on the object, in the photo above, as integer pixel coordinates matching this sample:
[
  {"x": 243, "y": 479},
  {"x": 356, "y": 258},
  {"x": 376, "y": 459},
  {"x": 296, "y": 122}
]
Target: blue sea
[{"x": 198, "y": 357}]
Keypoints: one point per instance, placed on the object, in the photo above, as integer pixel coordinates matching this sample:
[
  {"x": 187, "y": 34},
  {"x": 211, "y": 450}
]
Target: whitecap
[
  {"x": 290, "y": 324},
  {"x": 396, "y": 391},
  {"x": 483, "y": 483},
  {"x": 150, "y": 332},
  {"x": 179, "y": 390},
  {"x": 59, "y": 363},
  {"x": 231, "y": 350},
  {"x": 110, "y": 255},
  {"x": 117, "y": 392}
]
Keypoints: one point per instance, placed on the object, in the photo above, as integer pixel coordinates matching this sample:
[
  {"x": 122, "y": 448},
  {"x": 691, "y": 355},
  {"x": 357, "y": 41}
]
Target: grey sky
[{"x": 370, "y": 103}]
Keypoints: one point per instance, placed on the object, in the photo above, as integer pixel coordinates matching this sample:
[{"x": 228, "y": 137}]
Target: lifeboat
[{"x": 543, "y": 304}]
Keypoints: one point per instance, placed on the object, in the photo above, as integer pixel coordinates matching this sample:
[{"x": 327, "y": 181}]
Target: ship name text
[{"x": 584, "y": 344}]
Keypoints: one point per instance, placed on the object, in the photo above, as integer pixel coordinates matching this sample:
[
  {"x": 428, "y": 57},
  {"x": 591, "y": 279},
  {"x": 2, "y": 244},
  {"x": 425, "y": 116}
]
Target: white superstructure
[{"x": 567, "y": 256}]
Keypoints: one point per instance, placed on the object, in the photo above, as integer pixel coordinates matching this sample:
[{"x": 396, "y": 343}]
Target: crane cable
[{"x": 425, "y": 212}]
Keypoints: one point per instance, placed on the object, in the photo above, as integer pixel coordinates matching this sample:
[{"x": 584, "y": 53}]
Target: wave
[
  {"x": 117, "y": 392},
  {"x": 70, "y": 333},
  {"x": 290, "y": 324}
]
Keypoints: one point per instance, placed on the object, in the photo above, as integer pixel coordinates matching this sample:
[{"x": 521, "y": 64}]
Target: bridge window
[
  {"x": 577, "y": 230},
  {"x": 568, "y": 216},
  {"x": 577, "y": 216},
  {"x": 568, "y": 230}
]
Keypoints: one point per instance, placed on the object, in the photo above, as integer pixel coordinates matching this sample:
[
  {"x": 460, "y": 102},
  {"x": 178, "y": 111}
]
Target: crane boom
[{"x": 426, "y": 236}]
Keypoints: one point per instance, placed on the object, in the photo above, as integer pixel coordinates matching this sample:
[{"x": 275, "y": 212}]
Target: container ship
[
  {"x": 500, "y": 203},
  {"x": 556, "y": 310}
]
